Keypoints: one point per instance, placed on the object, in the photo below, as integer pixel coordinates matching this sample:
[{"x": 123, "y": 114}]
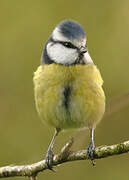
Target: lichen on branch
[{"x": 65, "y": 155}]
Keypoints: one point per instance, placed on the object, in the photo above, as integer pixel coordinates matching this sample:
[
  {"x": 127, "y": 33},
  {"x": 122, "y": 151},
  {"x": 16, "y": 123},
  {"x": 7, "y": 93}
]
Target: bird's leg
[
  {"x": 91, "y": 147},
  {"x": 49, "y": 156}
]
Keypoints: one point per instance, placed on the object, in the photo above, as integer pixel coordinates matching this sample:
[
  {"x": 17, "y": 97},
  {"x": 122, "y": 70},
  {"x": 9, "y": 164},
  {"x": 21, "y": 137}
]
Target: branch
[{"x": 64, "y": 156}]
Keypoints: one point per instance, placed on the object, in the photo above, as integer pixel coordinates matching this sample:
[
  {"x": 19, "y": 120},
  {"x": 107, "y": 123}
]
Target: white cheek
[{"x": 61, "y": 54}]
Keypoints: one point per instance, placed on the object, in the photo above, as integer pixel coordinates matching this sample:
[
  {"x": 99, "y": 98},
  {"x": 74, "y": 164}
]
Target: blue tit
[{"x": 68, "y": 85}]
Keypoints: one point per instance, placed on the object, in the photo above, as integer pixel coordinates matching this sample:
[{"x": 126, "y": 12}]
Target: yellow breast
[{"x": 69, "y": 96}]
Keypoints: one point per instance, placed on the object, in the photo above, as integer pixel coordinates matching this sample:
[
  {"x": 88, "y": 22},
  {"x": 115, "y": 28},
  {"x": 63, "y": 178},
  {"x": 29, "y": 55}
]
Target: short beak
[
  {"x": 83, "y": 49},
  {"x": 87, "y": 58}
]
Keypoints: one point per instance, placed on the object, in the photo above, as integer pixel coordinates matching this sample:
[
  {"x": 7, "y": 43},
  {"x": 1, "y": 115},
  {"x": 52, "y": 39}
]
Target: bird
[{"x": 68, "y": 85}]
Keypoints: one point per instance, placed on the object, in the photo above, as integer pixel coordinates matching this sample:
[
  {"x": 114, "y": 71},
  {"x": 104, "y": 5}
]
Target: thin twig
[{"x": 65, "y": 156}]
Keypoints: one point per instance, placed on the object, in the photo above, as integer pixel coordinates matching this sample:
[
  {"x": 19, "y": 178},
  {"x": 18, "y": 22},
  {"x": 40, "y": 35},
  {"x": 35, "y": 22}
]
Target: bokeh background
[{"x": 24, "y": 28}]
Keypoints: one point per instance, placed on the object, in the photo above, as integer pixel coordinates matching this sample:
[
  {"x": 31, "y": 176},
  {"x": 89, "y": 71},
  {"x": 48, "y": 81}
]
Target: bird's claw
[
  {"x": 49, "y": 160},
  {"x": 90, "y": 152}
]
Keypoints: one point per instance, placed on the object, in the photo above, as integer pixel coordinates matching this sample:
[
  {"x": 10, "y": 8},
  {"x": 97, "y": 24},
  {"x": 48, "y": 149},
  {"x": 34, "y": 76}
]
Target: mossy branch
[{"x": 65, "y": 155}]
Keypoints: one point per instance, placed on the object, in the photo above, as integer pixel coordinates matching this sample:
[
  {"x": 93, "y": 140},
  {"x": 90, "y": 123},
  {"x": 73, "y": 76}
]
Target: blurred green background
[{"x": 24, "y": 28}]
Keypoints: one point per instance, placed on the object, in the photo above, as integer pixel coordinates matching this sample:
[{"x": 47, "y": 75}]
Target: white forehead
[{"x": 58, "y": 36}]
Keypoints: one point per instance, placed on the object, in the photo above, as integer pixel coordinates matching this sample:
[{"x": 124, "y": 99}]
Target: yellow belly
[{"x": 69, "y": 96}]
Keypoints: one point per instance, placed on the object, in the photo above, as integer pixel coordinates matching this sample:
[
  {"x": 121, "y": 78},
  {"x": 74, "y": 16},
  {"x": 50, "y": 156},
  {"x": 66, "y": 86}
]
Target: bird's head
[{"x": 67, "y": 45}]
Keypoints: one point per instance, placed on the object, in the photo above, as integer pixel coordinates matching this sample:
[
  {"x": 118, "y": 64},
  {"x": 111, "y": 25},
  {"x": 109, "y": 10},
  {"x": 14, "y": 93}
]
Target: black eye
[{"x": 68, "y": 45}]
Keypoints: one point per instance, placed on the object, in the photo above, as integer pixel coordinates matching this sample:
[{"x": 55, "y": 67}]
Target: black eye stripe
[{"x": 66, "y": 44}]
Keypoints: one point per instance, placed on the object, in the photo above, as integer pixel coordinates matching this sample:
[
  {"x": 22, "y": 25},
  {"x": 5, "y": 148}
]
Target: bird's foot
[
  {"x": 90, "y": 152},
  {"x": 49, "y": 159}
]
